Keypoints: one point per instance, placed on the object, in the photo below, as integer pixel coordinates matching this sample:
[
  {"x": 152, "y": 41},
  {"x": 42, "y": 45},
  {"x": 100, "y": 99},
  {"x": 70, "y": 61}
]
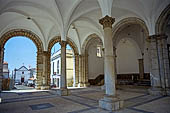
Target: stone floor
[{"x": 83, "y": 100}]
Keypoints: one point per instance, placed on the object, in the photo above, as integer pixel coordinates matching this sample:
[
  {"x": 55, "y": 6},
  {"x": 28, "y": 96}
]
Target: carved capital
[
  {"x": 76, "y": 54},
  {"x": 63, "y": 43},
  {"x": 46, "y": 53},
  {"x": 107, "y": 21}
]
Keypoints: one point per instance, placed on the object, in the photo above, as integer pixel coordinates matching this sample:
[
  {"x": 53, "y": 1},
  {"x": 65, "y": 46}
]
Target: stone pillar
[
  {"x": 76, "y": 70},
  {"x": 80, "y": 72},
  {"x": 39, "y": 70},
  {"x": 160, "y": 75},
  {"x": 141, "y": 69},
  {"x": 46, "y": 70},
  {"x": 104, "y": 86},
  {"x": 1, "y": 69},
  {"x": 110, "y": 101},
  {"x": 115, "y": 68},
  {"x": 86, "y": 71},
  {"x": 63, "y": 91},
  {"x": 43, "y": 70}
]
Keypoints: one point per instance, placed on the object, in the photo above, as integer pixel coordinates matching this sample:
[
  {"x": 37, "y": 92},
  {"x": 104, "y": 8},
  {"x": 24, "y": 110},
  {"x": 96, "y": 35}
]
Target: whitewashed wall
[{"x": 95, "y": 64}]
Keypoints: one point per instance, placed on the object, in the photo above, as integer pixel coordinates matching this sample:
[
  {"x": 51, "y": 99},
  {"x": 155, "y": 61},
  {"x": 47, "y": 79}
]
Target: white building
[
  {"x": 22, "y": 74},
  {"x": 56, "y": 67}
]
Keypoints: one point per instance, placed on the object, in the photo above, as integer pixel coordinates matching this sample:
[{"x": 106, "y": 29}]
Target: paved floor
[{"x": 82, "y": 101}]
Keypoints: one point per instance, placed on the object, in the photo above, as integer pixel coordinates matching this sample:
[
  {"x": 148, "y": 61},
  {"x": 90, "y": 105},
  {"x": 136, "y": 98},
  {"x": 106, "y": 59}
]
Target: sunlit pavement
[{"x": 82, "y": 100}]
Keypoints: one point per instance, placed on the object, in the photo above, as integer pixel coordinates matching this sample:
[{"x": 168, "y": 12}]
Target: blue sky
[{"x": 21, "y": 50}]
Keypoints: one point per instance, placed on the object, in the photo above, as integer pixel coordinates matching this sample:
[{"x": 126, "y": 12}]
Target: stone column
[
  {"x": 76, "y": 70},
  {"x": 80, "y": 72},
  {"x": 46, "y": 70},
  {"x": 39, "y": 70},
  {"x": 63, "y": 91},
  {"x": 43, "y": 70},
  {"x": 104, "y": 86},
  {"x": 86, "y": 71},
  {"x": 114, "y": 56},
  {"x": 160, "y": 75},
  {"x": 1, "y": 69},
  {"x": 141, "y": 69},
  {"x": 110, "y": 101}
]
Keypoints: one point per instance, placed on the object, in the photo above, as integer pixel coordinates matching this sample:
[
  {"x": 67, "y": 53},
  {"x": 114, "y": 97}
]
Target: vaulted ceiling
[{"x": 76, "y": 19}]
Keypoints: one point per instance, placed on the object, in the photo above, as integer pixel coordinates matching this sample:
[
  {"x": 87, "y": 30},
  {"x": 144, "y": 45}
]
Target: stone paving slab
[{"x": 81, "y": 101}]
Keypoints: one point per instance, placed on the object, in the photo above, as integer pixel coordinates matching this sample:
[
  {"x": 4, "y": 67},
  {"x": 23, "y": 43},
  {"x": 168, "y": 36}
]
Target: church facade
[{"x": 23, "y": 74}]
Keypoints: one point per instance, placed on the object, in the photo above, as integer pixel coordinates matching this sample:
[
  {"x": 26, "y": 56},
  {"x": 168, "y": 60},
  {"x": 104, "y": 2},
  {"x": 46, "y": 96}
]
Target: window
[
  {"x": 99, "y": 52},
  {"x": 58, "y": 67},
  {"x": 23, "y": 72}
]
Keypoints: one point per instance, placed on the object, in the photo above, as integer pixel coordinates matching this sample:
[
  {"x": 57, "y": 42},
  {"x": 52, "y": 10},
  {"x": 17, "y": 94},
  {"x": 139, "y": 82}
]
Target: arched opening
[
  {"x": 70, "y": 66},
  {"x": 94, "y": 60},
  {"x": 35, "y": 39},
  {"x": 163, "y": 32},
  {"x": 163, "y": 26},
  {"x": 71, "y": 51},
  {"x": 55, "y": 65},
  {"x": 20, "y": 60},
  {"x": 132, "y": 55}
]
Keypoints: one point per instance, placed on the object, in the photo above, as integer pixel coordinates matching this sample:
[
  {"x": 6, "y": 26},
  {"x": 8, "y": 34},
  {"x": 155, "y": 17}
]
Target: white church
[{"x": 23, "y": 74}]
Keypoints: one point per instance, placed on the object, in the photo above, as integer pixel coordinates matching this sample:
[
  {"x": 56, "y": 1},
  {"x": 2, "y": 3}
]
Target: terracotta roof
[{"x": 5, "y": 63}]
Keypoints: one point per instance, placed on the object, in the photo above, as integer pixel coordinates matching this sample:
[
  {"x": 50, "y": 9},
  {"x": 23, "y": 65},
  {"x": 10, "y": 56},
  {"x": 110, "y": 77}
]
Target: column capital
[
  {"x": 158, "y": 36},
  {"x": 46, "y": 53},
  {"x": 76, "y": 54},
  {"x": 107, "y": 21},
  {"x": 63, "y": 43}
]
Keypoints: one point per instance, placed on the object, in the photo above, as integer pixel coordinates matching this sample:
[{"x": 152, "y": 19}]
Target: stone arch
[
  {"x": 163, "y": 20},
  {"x": 87, "y": 42},
  {"x": 72, "y": 45},
  {"x": 122, "y": 24},
  {"x": 126, "y": 22},
  {"x": 32, "y": 36},
  {"x": 129, "y": 21},
  {"x": 22, "y": 32},
  {"x": 53, "y": 41}
]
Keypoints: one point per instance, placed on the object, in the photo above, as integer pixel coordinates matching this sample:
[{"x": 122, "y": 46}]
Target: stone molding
[
  {"x": 158, "y": 36},
  {"x": 163, "y": 20},
  {"x": 53, "y": 41},
  {"x": 37, "y": 41},
  {"x": 107, "y": 21},
  {"x": 22, "y": 32}
]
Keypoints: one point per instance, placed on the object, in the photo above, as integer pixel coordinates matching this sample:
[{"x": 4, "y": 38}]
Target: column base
[
  {"x": 111, "y": 103},
  {"x": 42, "y": 87},
  {"x": 87, "y": 84},
  {"x": 84, "y": 84},
  {"x": 45, "y": 87},
  {"x": 63, "y": 92},
  {"x": 157, "y": 91},
  {"x": 75, "y": 85},
  {"x": 38, "y": 87}
]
